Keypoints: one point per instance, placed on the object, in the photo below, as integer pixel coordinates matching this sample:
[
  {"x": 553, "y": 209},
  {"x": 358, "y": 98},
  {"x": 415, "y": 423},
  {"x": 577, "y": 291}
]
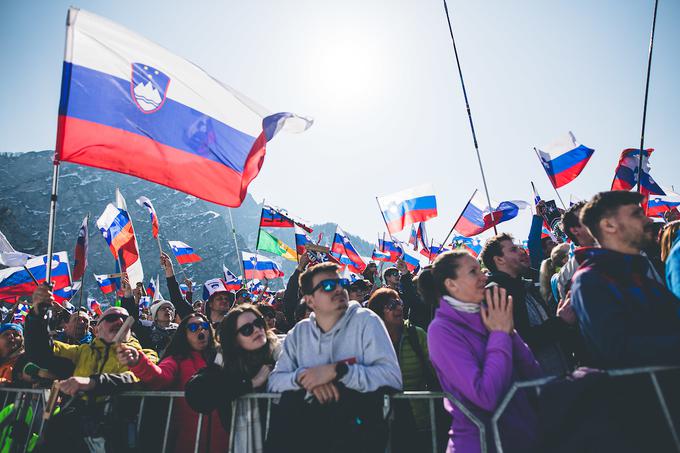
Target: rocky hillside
[{"x": 25, "y": 183}]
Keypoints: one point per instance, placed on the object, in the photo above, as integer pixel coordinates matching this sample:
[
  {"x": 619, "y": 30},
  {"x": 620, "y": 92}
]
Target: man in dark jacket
[
  {"x": 625, "y": 313},
  {"x": 546, "y": 334}
]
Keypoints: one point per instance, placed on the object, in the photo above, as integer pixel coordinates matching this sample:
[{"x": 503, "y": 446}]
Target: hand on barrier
[
  {"x": 326, "y": 393},
  {"x": 261, "y": 377},
  {"x": 319, "y": 375},
  {"x": 76, "y": 384}
]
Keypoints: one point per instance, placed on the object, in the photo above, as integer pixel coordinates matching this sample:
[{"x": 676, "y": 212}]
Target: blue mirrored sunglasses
[{"x": 330, "y": 284}]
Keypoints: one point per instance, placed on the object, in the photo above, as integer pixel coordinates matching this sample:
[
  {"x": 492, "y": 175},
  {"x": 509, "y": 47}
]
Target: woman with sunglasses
[
  {"x": 191, "y": 349},
  {"x": 249, "y": 352},
  {"x": 477, "y": 353},
  {"x": 412, "y": 420}
]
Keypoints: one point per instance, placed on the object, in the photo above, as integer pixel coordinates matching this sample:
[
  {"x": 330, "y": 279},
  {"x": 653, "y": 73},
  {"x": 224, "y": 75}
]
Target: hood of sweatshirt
[{"x": 338, "y": 330}]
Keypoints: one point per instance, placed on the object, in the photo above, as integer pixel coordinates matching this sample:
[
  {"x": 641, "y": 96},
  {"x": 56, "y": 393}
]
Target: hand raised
[{"x": 497, "y": 315}]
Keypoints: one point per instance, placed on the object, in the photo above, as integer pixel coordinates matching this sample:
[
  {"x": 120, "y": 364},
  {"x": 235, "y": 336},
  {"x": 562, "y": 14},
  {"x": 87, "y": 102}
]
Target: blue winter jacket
[
  {"x": 673, "y": 268},
  {"x": 626, "y": 318}
]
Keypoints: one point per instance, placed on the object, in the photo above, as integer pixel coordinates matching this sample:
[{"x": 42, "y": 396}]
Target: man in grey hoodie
[{"x": 330, "y": 360}]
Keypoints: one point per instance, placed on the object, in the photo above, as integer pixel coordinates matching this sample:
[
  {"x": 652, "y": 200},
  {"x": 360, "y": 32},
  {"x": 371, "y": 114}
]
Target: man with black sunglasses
[{"x": 342, "y": 361}]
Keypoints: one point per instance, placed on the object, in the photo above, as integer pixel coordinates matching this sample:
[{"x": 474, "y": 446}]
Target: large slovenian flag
[
  {"x": 80, "y": 256},
  {"x": 16, "y": 281},
  {"x": 231, "y": 281},
  {"x": 401, "y": 209},
  {"x": 626, "y": 174},
  {"x": 657, "y": 205},
  {"x": 477, "y": 217},
  {"x": 146, "y": 203},
  {"x": 564, "y": 159},
  {"x": 126, "y": 100},
  {"x": 260, "y": 267},
  {"x": 183, "y": 252},
  {"x": 343, "y": 250}
]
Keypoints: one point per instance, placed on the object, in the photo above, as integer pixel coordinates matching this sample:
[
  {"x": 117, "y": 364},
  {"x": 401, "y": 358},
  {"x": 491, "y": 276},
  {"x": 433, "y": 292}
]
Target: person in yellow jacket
[{"x": 93, "y": 369}]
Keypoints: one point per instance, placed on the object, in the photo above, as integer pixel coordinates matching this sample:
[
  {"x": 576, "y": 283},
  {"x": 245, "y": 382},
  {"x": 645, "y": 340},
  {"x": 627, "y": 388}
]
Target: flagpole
[
  {"x": 551, "y": 183},
  {"x": 82, "y": 288},
  {"x": 469, "y": 113},
  {"x": 239, "y": 258},
  {"x": 461, "y": 215},
  {"x": 259, "y": 227},
  {"x": 383, "y": 216},
  {"x": 644, "y": 109},
  {"x": 52, "y": 221}
]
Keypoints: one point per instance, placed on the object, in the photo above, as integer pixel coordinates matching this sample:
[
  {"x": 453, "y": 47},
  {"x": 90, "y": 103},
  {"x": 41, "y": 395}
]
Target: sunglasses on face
[
  {"x": 194, "y": 326},
  {"x": 114, "y": 317},
  {"x": 247, "y": 329},
  {"x": 330, "y": 284},
  {"x": 393, "y": 304}
]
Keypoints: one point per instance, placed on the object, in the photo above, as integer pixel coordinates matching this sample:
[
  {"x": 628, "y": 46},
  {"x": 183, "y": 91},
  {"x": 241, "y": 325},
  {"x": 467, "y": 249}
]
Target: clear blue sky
[{"x": 380, "y": 81}]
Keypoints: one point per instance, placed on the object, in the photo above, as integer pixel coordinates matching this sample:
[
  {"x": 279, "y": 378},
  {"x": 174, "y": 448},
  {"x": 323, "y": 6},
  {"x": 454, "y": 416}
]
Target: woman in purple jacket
[{"x": 477, "y": 354}]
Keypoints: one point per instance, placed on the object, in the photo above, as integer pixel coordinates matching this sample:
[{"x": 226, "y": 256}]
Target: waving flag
[
  {"x": 16, "y": 281},
  {"x": 392, "y": 247},
  {"x": 269, "y": 243},
  {"x": 658, "y": 204},
  {"x": 126, "y": 100},
  {"x": 477, "y": 217},
  {"x": 409, "y": 206},
  {"x": 342, "y": 247},
  {"x": 93, "y": 306},
  {"x": 130, "y": 257},
  {"x": 474, "y": 246},
  {"x": 81, "y": 252},
  {"x": 260, "y": 267},
  {"x": 107, "y": 283},
  {"x": 9, "y": 256},
  {"x": 20, "y": 313},
  {"x": 626, "y": 174},
  {"x": 151, "y": 288},
  {"x": 183, "y": 252},
  {"x": 411, "y": 258},
  {"x": 432, "y": 251},
  {"x": 116, "y": 227},
  {"x": 231, "y": 281},
  {"x": 301, "y": 240},
  {"x": 564, "y": 159},
  {"x": 377, "y": 255},
  {"x": 146, "y": 203}
]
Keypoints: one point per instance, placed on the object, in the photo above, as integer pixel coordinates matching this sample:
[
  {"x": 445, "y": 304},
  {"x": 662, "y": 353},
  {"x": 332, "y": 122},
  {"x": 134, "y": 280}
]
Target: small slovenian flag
[
  {"x": 151, "y": 288},
  {"x": 411, "y": 258},
  {"x": 274, "y": 218},
  {"x": 342, "y": 247},
  {"x": 146, "y": 203},
  {"x": 626, "y": 174},
  {"x": 93, "y": 306},
  {"x": 183, "y": 252},
  {"x": 80, "y": 262},
  {"x": 16, "y": 281},
  {"x": 657, "y": 205},
  {"x": 474, "y": 246},
  {"x": 478, "y": 217},
  {"x": 564, "y": 159},
  {"x": 409, "y": 206},
  {"x": 392, "y": 247},
  {"x": 260, "y": 267},
  {"x": 106, "y": 283},
  {"x": 231, "y": 281},
  {"x": 116, "y": 228},
  {"x": 377, "y": 255},
  {"x": 301, "y": 240}
]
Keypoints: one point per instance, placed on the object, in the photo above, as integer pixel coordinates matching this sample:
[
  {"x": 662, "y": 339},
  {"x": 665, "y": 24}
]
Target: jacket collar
[
  {"x": 472, "y": 321},
  {"x": 614, "y": 262}
]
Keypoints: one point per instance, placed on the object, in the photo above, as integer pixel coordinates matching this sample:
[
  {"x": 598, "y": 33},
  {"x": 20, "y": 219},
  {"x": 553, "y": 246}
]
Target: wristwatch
[{"x": 341, "y": 370}]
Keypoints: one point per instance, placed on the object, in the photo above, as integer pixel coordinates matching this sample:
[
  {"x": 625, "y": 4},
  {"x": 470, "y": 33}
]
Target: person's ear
[
  {"x": 450, "y": 285},
  {"x": 608, "y": 225},
  {"x": 499, "y": 261}
]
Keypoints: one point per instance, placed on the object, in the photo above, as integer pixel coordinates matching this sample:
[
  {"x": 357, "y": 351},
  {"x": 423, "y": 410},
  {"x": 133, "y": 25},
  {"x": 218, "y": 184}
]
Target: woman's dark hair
[
  {"x": 380, "y": 298},
  {"x": 431, "y": 278},
  {"x": 247, "y": 362},
  {"x": 179, "y": 345}
]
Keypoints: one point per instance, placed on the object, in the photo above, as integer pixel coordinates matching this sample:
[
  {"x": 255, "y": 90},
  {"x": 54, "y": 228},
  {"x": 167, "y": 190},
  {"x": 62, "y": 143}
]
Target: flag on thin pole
[
  {"x": 401, "y": 209},
  {"x": 126, "y": 100},
  {"x": 268, "y": 243},
  {"x": 183, "y": 253},
  {"x": 146, "y": 203},
  {"x": 343, "y": 250},
  {"x": 260, "y": 267},
  {"x": 132, "y": 260},
  {"x": 626, "y": 173},
  {"x": 564, "y": 159},
  {"x": 18, "y": 281},
  {"x": 478, "y": 217},
  {"x": 80, "y": 255}
]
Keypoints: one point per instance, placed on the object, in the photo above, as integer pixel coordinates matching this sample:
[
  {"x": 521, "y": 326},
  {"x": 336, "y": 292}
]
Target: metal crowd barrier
[{"x": 36, "y": 399}]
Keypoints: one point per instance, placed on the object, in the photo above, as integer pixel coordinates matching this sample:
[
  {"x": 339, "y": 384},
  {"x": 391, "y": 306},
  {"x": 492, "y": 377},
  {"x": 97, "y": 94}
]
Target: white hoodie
[{"x": 358, "y": 338}]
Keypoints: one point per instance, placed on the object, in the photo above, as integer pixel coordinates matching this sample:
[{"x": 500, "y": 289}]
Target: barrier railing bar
[
  {"x": 167, "y": 424},
  {"x": 477, "y": 422},
  {"x": 266, "y": 422},
  {"x": 433, "y": 425},
  {"x": 232, "y": 424},
  {"x": 140, "y": 414},
  {"x": 664, "y": 408},
  {"x": 30, "y": 425},
  {"x": 198, "y": 433}
]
